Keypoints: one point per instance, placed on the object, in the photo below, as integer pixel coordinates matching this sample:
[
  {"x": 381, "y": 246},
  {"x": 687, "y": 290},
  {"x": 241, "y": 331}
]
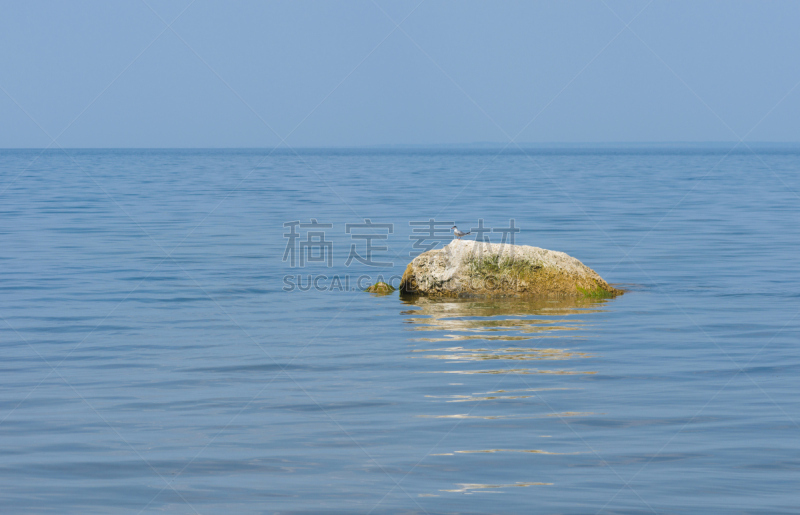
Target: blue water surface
[{"x": 153, "y": 360}]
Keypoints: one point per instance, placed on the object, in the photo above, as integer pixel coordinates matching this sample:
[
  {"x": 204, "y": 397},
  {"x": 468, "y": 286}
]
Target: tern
[{"x": 458, "y": 233}]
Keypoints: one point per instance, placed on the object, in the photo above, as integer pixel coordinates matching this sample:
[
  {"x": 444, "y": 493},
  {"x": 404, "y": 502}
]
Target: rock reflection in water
[
  {"x": 500, "y": 307},
  {"x": 515, "y": 319},
  {"x": 466, "y": 487},
  {"x": 502, "y": 330},
  {"x": 492, "y": 396},
  {"x": 523, "y": 316},
  {"x": 513, "y": 353}
]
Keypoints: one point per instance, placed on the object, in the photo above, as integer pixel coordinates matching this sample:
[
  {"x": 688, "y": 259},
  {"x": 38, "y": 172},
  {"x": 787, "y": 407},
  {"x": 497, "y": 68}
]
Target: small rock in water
[
  {"x": 380, "y": 287},
  {"x": 467, "y": 268}
]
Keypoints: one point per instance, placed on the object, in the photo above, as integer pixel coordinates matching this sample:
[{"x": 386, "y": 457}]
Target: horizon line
[{"x": 421, "y": 146}]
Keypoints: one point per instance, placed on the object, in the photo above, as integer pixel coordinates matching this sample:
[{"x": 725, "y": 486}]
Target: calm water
[{"x": 152, "y": 361}]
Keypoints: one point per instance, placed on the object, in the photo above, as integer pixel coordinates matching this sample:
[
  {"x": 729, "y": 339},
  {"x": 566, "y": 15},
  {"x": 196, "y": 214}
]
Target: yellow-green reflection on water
[
  {"x": 468, "y": 337},
  {"x": 466, "y": 487},
  {"x": 449, "y": 324},
  {"x": 493, "y": 417},
  {"x": 529, "y": 390},
  {"x": 472, "y": 398},
  {"x": 573, "y": 414},
  {"x": 502, "y": 326},
  {"x": 522, "y": 371},
  {"x": 487, "y": 417},
  {"x": 511, "y": 353},
  {"x": 530, "y": 451},
  {"x": 499, "y": 307},
  {"x": 491, "y": 396}
]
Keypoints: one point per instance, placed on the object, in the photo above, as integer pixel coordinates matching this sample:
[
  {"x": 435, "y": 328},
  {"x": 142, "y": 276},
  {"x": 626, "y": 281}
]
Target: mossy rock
[
  {"x": 380, "y": 288},
  {"x": 473, "y": 269}
]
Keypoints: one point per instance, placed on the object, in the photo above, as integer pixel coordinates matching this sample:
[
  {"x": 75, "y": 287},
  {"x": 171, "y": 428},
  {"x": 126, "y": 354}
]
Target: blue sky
[{"x": 330, "y": 73}]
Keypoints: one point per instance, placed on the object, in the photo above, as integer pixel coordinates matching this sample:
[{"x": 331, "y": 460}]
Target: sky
[{"x": 182, "y": 73}]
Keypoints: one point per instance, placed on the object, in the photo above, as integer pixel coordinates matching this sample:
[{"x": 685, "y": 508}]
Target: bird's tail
[{"x": 468, "y": 232}]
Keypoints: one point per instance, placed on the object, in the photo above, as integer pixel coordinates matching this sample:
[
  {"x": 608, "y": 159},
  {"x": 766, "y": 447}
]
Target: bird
[{"x": 458, "y": 233}]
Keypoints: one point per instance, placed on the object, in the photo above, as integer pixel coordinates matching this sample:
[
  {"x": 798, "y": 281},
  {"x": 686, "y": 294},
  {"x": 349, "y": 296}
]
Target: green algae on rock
[
  {"x": 467, "y": 268},
  {"x": 381, "y": 288}
]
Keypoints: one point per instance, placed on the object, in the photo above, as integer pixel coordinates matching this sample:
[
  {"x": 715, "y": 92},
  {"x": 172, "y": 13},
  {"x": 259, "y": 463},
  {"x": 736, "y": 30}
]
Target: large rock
[{"x": 467, "y": 268}]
